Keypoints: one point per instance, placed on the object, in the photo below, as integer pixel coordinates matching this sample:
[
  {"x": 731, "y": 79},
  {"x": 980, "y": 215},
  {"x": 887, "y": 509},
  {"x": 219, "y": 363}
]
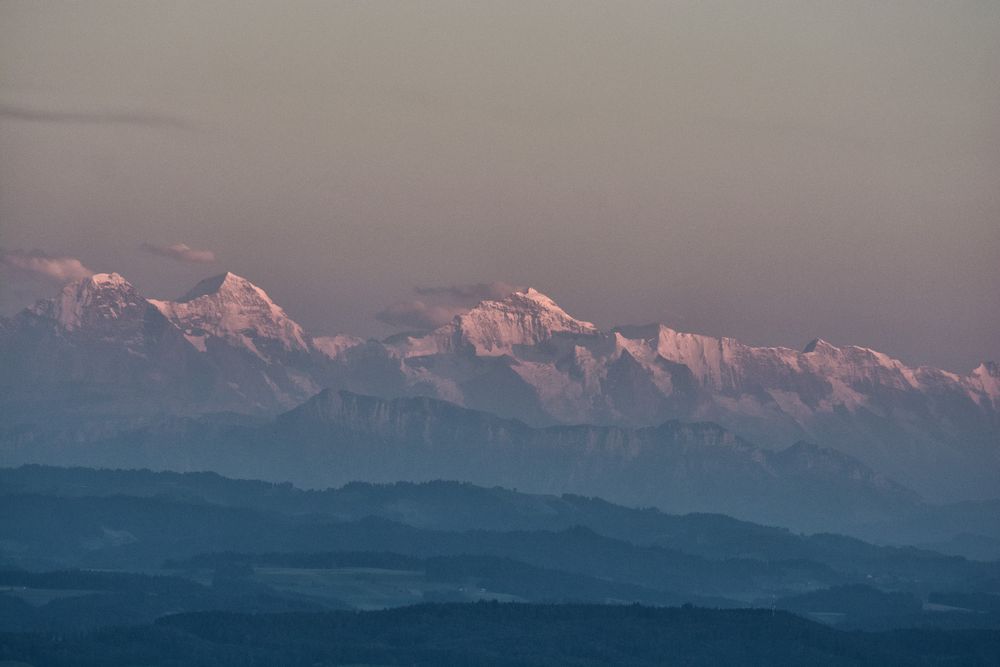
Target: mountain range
[
  {"x": 100, "y": 360},
  {"x": 338, "y": 437}
]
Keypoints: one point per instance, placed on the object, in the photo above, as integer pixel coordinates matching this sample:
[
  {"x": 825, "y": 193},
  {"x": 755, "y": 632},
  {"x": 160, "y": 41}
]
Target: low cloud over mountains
[
  {"x": 180, "y": 252},
  {"x": 439, "y": 305},
  {"x": 37, "y": 264}
]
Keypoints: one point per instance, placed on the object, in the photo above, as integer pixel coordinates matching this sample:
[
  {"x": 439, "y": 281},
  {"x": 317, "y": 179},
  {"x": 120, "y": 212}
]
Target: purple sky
[{"x": 770, "y": 171}]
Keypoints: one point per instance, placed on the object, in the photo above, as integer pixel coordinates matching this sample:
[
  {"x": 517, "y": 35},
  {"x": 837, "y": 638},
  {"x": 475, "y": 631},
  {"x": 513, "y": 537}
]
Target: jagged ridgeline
[{"x": 100, "y": 360}]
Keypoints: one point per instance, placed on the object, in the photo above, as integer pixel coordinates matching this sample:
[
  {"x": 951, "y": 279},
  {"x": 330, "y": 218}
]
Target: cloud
[
  {"x": 181, "y": 252},
  {"x": 474, "y": 291},
  {"x": 440, "y": 305},
  {"x": 145, "y": 118},
  {"x": 40, "y": 265},
  {"x": 418, "y": 315}
]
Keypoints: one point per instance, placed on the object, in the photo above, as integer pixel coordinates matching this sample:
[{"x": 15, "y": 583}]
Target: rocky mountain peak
[
  {"x": 94, "y": 301},
  {"x": 231, "y": 307},
  {"x": 525, "y": 317}
]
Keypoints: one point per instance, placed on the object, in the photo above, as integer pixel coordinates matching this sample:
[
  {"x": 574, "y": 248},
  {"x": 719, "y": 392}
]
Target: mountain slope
[
  {"x": 907, "y": 422},
  {"x": 99, "y": 516},
  {"x": 224, "y": 346},
  {"x": 100, "y": 348},
  {"x": 233, "y": 309},
  {"x": 339, "y": 437},
  {"x": 97, "y": 350}
]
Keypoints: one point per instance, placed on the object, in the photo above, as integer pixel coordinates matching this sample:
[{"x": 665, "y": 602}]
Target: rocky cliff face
[
  {"x": 224, "y": 346},
  {"x": 911, "y": 422},
  {"x": 232, "y": 309},
  {"x": 338, "y": 436},
  {"x": 227, "y": 346}
]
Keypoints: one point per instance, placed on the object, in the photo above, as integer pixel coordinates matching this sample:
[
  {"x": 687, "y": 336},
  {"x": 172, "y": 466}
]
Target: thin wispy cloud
[
  {"x": 38, "y": 264},
  {"x": 440, "y": 305},
  {"x": 110, "y": 117},
  {"x": 418, "y": 315},
  {"x": 180, "y": 252},
  {"x": 477, "y": 291}
]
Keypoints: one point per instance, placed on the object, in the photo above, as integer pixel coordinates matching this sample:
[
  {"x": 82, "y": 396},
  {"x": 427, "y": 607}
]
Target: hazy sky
[{"x": 770, "y": 171}]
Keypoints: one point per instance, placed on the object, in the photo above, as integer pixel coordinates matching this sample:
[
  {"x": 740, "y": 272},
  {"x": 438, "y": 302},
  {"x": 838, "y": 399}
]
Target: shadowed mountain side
[
  {"x": 452, "y": 506},
  {"x": 339, "y": 437},
  {"x": 101, "y": 352},
  {"x": 46, "y": 532}
]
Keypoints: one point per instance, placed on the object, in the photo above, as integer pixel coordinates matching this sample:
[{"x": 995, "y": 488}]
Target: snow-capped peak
[
  {"x": 108, "y": 280},
  {"x": 231, "y": 307},
  {"x": 333, "y": 346},
  {"x": 988, "y": 369},
  {"x": 524, "y": 317},
  {"x": 227, "y": 283},
  {"x": 531, "y": 295},
  {"x": 88, "y": 301},
  {"x": 818, "y": 345},
  {"x": 987, "y": 377}
]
